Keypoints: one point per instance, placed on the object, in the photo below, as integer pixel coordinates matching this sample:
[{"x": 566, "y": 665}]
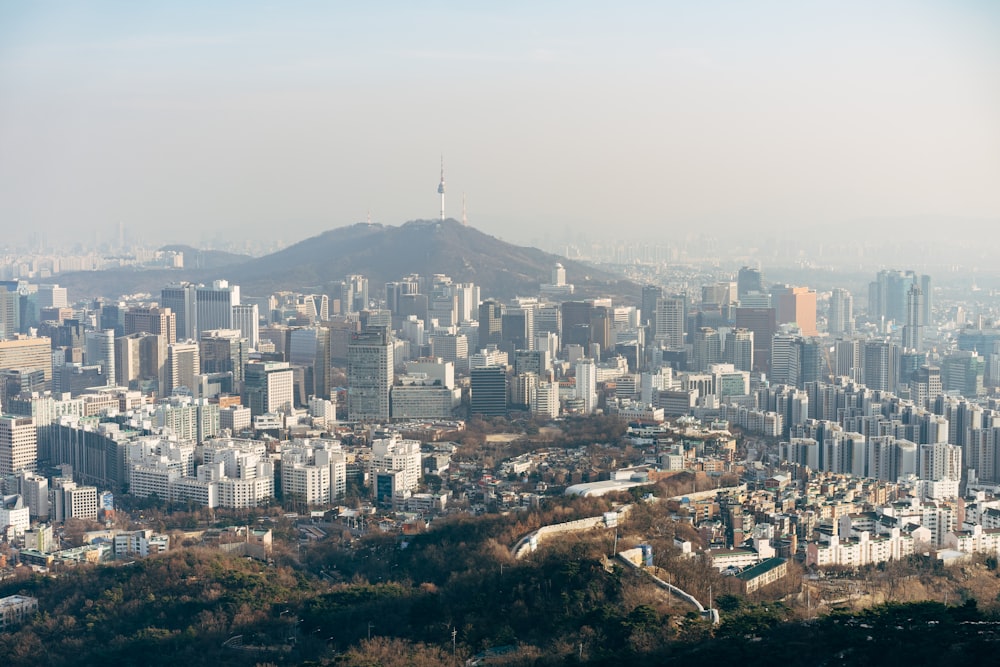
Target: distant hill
[
  {"x": 381, "y": 252},
  {"x": 384, "y": 253},
  {"x": 206, "y": 259}
]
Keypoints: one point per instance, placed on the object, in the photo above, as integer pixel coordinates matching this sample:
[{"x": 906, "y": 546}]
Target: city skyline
[{"x": 648, "y": 120}]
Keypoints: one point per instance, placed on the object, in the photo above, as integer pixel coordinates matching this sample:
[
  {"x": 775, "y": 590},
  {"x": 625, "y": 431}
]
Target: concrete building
[
  {"x": 18, "y": 445},
  {"x": 370, "y": 368}
]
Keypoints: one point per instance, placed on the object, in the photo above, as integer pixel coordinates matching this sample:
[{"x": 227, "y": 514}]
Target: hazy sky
[{"x": 632, "y": 118}]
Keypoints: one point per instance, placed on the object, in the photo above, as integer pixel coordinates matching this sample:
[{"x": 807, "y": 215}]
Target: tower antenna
[{"x": 441, "y": 187}]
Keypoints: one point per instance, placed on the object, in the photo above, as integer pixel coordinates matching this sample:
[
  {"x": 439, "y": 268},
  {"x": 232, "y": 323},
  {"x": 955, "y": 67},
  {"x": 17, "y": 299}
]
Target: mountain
[{"x": 385, "y": 253}]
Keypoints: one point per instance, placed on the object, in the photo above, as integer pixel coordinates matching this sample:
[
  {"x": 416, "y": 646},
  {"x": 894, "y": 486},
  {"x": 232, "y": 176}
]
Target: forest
[{"x": 454, "y": 593}]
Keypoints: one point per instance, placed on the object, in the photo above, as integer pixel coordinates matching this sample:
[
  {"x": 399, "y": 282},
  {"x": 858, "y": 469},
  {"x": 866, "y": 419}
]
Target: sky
[{"x": 191, "y": 121}]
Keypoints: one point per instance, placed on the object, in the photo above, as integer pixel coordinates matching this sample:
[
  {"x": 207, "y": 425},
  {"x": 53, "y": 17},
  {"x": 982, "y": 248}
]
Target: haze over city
[{"x": 185, "y": 121}]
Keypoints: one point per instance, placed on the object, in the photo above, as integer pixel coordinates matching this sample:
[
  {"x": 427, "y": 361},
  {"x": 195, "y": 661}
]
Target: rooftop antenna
[{"x": 441, "y": 187}]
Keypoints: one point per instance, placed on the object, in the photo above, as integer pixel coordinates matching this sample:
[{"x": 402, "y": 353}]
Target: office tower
[
  {"x": 27, "y": 355},
  {"x": 246, "y": 318},
  {"x": 760, "y": 321},
  {"x": 413, "y": 304},
  {"x": 880, "y": 365},
  {"x": 707, "y": 348},
  {"x": 354, "y": 296},
  {"x": 490, "y": 324},
  {"x": 155, "y": 320},
  {"x": 546, "y": 400},
  {"x": 913, "y": 330},
  {"x": 18, "y": 444},
  {"x": 647, "y": 307},
  {"x": 52, "y": 296},
  {"x": 548, "y": 319},
  {"x": 586, "y": 384},
  {"x": 214, "y": 305},
  {"x": 369, "y": 375},
  {"x": 517, "y": 328},
  {"x": 181, "y": 298},
  {"x": 128, "y": 359},
  {"x": 111, "y": 318},
  {"x": 669, "y": 320},
  {"x": 224, "y": 351},
  {"x": 785, "y": 359},
  {"x": 309, "y": 348},
  {"x": 795, "y": 305},
  {"x": 926, "y": 385},
  {"x": 849, "y": 359},
  {"x": 468, "y": 301},
  {"x": 814, "y": 361},
  {"x": 488, "y": 388},
  {"x": 739, "y": 349},
  {"x": 602, "y": 331},
  {"x": 576, "y": 323},
  {"x": 182, "y": 368},
  {"x": 139, "y": 362},
  {"x": 532, "y": 361},
  {"x": 962, "y": 372},
  {"x": 101, "y": 352},
  {"x": 267, "y": 387},
  {"x": 749, "y": 280},
  {"x": 888, "y": 296},
  {"x": 453, "y": 348},
  {"x": 841, "y": 318},
  {"x": 10, "y": 311}
]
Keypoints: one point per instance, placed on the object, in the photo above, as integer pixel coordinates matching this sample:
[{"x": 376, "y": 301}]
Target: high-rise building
[
  {"x": 10, "y": 311},
  {"x": 490, "y": 324},
  {"x": 545, "y": 401},
  {"x": 369, "y": 375},
  {"x": 517, "y": 328},
  {"x": 453, "y": 348},
  {"x": 785, "y": 359},
  {"x": 181, "y": 299},
  {"x": 795, "y": 305},
  {"x": 246, "y": 318},
  {"x": 354, "y": 296},
  {"x": 913, "y": 330},
  {"x": 739, "y": 349},
  {"x": 841, "y": 318},
  {"x": 760, "y": 321},
  {"x": 224, "y": 351},
  {"x": 749, "y": 280},
  {"x": 488, "y": 387},
  {"x": 576, "y": 323},
  {"x": 647, "y": 307},
  {"x": 139, "y": 362},
  {"x": 101, "y": 352},
  {"x": 880, "y": 365},
  {"x": 18, "y": 445},
  {"x": 28, "y": 354},
  {"x": 52, "y": 296},
  {"x": 309, "y": 347},
  {"x": 214, "y": 305},
  {"x": 182, "y": 368},
  {"x": 155, "y": 320},
  {"x": 707, "y": 348},
  {"x": 586, "y": 384},
  {"x": 267, "y": 387},
  {"x": 669, "y": 321}
]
